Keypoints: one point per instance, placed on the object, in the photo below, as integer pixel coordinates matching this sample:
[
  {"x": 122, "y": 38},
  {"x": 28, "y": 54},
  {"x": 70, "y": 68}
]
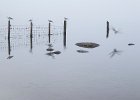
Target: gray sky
[{"x": 40, "y": 10}]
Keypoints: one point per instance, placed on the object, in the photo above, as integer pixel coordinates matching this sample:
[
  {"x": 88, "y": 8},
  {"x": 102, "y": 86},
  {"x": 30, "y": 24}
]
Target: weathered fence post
[
  {"x": 9, "y": 27},
  {"x": 65, "y": 31},
  {"x": 49, "y": 30},
  {"x": 31, "y": 35},
  {"x": 9, "y": 31},
  {"x": 107, "y": 35}
]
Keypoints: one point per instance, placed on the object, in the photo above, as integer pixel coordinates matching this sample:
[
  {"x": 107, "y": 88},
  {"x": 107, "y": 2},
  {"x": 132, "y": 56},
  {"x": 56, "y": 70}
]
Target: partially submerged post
[
  {"x": 9, "y": 50},
  {"x": 9, "y": 30},
  {"x": 9, "y": 26},
  {"x": 65, "y": 31},
  {"x": 9, "y": 45},
  {"x": 49, "y": 32},
  {"x": 107, "y": 35},
  {"x": 31, "y": 35}
]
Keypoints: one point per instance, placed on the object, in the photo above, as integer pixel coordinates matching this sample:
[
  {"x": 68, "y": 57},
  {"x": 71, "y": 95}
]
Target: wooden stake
[
  {"x": 107, "y": 35},
  {"x": 31, "y": 36},
  {"x": 49, "y": 34},
  {"x": 9, "y": 47},
  {"x": 65, "y": 31}
]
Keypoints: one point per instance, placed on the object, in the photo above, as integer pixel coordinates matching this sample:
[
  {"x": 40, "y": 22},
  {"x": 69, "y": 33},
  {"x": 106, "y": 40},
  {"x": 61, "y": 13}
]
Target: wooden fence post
[
  {"x": 107, "y": 35},
  {"x": 65, "y": 31}
]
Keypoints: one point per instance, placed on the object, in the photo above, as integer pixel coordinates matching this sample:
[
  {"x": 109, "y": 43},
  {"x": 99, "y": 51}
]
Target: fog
[
  {"x": 41, "y": 10},
  {"x": 108, "y": 72}
]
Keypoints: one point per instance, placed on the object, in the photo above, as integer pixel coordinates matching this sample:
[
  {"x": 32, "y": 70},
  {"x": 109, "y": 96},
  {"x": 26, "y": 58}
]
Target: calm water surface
[{"x": 108, "y": 72}]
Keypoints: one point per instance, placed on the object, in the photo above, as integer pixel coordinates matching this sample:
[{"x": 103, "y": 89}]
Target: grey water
[{"x": 34, "y": 69}]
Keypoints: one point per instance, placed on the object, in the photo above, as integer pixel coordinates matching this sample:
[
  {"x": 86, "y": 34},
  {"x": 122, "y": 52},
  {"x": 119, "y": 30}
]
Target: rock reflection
[
  {"x": 9, "y": 57},
  {"x": 52, "y": 54},
  {"x": 82, "y": 51},
  {"x": 131, "y": 44},
  {"x": 51, "y": 51},
  {"x": 57, "y": 52}
]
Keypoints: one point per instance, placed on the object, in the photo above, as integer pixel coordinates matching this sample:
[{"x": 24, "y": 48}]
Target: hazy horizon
[
  {"x": 42, "y": 10},
  {"x": 31, "y": 69}
]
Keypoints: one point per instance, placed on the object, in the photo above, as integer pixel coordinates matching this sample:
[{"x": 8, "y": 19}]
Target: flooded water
[{"x": 38, "y": 66}]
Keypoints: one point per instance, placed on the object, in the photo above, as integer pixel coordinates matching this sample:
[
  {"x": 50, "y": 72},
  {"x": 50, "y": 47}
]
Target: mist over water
[{"x": 34, "y": 69}]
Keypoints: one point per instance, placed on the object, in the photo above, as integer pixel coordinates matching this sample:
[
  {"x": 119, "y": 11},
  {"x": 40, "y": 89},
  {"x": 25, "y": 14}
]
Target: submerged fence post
[
  {"x": 107, "y": 35},
  {"x": 65, "y": 31},
  {"x": 31, "y": 35},
  {"x": 49, "y": 30}
]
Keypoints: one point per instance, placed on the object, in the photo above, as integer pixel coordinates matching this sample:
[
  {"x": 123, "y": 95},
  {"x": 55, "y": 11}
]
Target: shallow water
[{"x": 107, "y": 72}]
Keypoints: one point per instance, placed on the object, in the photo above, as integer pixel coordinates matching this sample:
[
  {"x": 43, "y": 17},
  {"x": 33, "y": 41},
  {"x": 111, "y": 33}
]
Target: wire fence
[{"x": 20, "y": 35}]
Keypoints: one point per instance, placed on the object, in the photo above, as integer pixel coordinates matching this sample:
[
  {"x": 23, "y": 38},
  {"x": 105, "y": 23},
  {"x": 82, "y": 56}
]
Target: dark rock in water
[
  {"x": 49, "y": 49},
  {"x": 56, "y": 52},
  {"x": 87, "y": 44},
  {"x": 82, "y": 51},
  {"x": 50, "y": 54},
  {"x": 10, "y": 57},
  {"x": 130, "y": 44}
]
